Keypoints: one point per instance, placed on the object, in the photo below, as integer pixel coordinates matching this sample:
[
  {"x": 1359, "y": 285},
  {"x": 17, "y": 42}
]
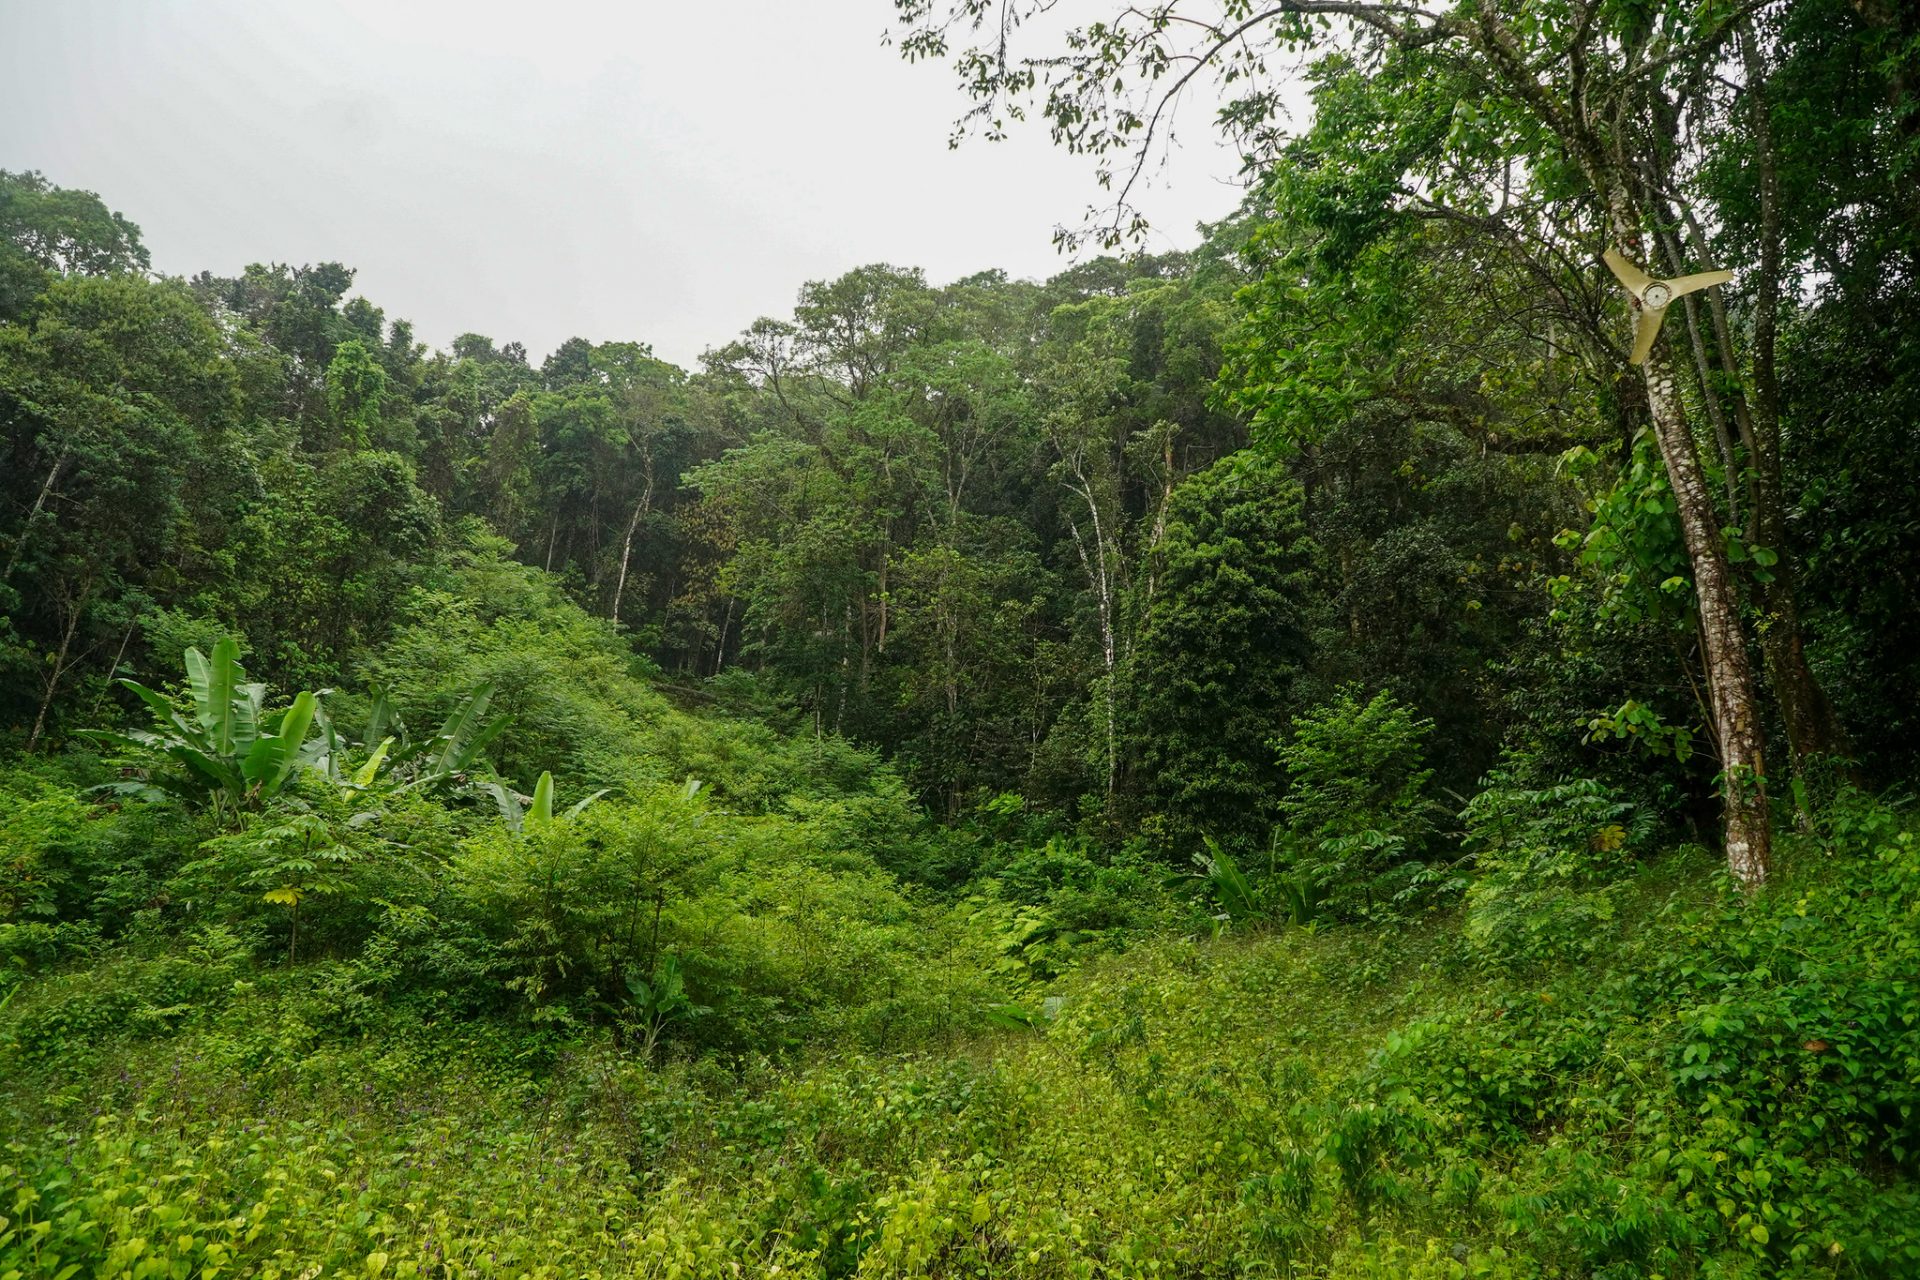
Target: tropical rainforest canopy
[{"x": 1298, "y": 758}]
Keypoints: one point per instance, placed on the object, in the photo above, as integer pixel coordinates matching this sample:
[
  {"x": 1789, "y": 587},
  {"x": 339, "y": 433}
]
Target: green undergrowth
[{"x": 1718, "y": 1089}]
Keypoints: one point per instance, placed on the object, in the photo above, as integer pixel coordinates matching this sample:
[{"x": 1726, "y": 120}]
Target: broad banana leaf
[
  {"x": 163, "y": 711},
  {"x": 380, "y": 716},
  {"x": 460, "y": 727},
  {"x": 213, "y": 683},
  {"x": 510, "y": 811},
  {"x": 272, "y": 758},
  {"x": 221, "y": 773},
  {"x": 292, "y": 735},
  {"x": 464, "y": 736},
  {"x": 249, "y": 705},
  {"x": 580, "y": 804},
  {"x": 364, "y": 776},
  {"x": 540, "y": 812},
  {"x": 322, "y": 751},
  {"x": 1229, "y": 884},
  {"x": 169, "y": 745},
  {"x": 481, "y": 741}
]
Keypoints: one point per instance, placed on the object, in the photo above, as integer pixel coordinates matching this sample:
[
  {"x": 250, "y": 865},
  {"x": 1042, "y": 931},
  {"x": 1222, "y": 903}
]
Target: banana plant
[
  {"x": 1304, "y": 896},
  {"x": 395, "y": 760},
  {"x": 234, "y": 752},
  {"x": 231, "y": 749},
  {"x": 536, "y": 814},
  {"x": 456, "y": 747},
  {"x": 1218, "y": 878},
  {"x": 450, "y": 751},
  {"x": 652, "y": 1005}
]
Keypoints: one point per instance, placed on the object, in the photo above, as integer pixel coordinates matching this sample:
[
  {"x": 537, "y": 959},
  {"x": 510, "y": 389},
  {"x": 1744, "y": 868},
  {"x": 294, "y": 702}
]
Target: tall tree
[
  {"x": 1224, "y": 639},
  {"x": 1571, "y": 98}
]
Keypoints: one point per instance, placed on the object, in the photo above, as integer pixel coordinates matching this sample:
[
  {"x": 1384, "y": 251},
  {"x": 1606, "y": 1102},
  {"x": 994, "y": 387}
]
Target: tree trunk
[
  {"x": 1097, "y": 577},
  {"x": 1813, "y": 728},
  {"x": 626, "y": 547},
  {"x": 720, "y": 647},
  {"x": 114, "y": 666},
  {"x": 60, "y": 666},
  {"x": 626, "y": 555},
  {"x": 1703, "y": 373},
  {"x": 1730, "y": 687},
  {"x": 26, "y": 526}
]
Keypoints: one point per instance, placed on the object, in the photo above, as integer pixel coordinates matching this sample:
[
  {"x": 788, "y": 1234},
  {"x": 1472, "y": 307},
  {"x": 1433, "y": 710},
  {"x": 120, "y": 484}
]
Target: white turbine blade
[
  {"x": 1645, "y": 332},
  {"x": 1692, "y": 284},
  {"x": 1631, "y": 276}
]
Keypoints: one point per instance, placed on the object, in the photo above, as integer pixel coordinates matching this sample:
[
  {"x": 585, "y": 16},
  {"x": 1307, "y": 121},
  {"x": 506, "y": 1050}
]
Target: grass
[{"x": 1343, "y": 1102}]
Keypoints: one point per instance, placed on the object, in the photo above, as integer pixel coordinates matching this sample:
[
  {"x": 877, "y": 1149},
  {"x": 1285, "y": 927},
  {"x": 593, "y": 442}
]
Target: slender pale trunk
[
  {"x": 626, "y": 547},
  {"x": 39, "y": 502},
  {"x": 119, "y": 654},
  {"x": 1730, "y": 686},
  {"x": 59, "y": 671},
  {"x": 1703, "y": 371},
  {"x": 1102, "y": 583},
  {"x": 626, "y": 555},
  {"x": 720, "y": 648}
]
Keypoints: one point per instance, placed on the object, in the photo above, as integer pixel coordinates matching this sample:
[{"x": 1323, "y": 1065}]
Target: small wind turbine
[{"x": 1654, "y": 296}]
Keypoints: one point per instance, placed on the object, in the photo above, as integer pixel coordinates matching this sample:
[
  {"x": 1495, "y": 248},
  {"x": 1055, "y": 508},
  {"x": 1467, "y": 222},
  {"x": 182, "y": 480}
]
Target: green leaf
[
  {"x": 273, "y": 757},
  {"x": 292, "y": 733},
  {"x": 540, "y": 812},
  {"x": 379, "y": 715},
  {"x": 364, "y": 776},
  {"x": 249, "y": 707},
  {"x": 464, "y": 736},
  {"x": 578, "y": 805},
  {"x": 163, "y": 711},
  {"x": 213, "y": 682},
  {"x": 510, "y": 811}
]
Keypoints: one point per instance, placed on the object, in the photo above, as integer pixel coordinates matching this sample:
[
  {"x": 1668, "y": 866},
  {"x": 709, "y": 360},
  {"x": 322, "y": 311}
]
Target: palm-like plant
[
  {"x": 394, "y": 759},
  {"x": 233, "y": 751},
  {"x": 537, "y": 813},
  {"x": 1219, "y": 878},
  {"x": 654, "y": 1004}
]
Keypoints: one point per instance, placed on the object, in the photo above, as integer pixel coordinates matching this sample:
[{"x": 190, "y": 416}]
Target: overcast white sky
[{"x": 631, "y": 169}]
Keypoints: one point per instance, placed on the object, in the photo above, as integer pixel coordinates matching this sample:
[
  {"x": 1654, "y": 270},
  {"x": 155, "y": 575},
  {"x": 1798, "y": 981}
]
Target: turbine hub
[{"x": 1656, "y": 295}]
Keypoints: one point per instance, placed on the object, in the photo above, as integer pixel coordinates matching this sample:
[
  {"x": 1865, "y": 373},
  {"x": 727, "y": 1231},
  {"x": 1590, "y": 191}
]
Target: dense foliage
[{"x": 1237, "y": 762}]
